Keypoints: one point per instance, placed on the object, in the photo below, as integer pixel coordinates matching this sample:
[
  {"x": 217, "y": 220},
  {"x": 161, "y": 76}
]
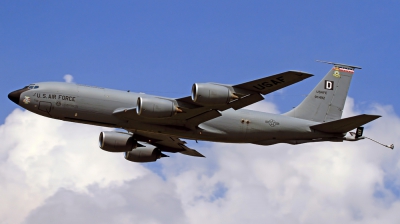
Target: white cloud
[
  {"x": 142, "y": 200},
  {"x": 51, "y": 169},
  {"x": 68, "y": 78},
  {"x": 40, "y": 155}
]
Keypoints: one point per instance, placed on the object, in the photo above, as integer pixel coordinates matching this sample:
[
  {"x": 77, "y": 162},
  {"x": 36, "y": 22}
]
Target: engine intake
[
  {"x": 211, "y": 94},
  {"x": 156, "y": 108},
  {"x": 144, "y": 154},
  {"x": 111, "y": 141}
]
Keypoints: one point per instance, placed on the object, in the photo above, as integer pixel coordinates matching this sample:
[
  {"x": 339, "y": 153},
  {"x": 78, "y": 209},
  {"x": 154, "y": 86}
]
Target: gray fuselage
[{"x": 96, "y": 106}]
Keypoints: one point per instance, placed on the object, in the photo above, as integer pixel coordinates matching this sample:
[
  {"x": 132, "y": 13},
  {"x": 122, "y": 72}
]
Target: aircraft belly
[{"x": 253, "y": 126}]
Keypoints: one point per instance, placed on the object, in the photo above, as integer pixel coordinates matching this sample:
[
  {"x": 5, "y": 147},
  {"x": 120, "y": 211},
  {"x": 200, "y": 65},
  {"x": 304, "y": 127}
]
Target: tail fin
[{"x": 325, "y": 103}]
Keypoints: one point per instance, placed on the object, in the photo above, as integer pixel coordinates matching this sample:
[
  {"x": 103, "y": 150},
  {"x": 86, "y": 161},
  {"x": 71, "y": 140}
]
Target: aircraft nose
[{"x": 14, "y": 96}]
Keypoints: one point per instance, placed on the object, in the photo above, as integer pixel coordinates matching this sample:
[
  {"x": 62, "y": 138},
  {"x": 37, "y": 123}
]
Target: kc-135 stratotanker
[{"x": 155, "y": 124}]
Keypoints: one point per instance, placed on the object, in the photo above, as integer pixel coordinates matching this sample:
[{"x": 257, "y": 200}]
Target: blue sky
[{"x": 162, "y": 48}]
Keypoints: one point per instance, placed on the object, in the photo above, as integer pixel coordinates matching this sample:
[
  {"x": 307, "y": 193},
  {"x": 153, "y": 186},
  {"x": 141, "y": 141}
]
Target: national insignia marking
[
  {"x": 27, "y": 100},
  {"x": 272, "y": 123}
]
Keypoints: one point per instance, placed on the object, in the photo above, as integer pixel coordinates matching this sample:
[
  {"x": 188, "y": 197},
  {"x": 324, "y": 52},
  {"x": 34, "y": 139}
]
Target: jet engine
[
  {"x": 156, "y": 108},
  {"x": 144, "y": 154},
  {"x": 116, "y": 141},
  {"x": 211, "y": 94},
  {"x": 122, "y": 142}
]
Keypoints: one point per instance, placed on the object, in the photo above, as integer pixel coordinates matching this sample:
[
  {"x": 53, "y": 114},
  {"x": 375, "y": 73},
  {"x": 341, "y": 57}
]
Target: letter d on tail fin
[{"x": 326, "y": 101}]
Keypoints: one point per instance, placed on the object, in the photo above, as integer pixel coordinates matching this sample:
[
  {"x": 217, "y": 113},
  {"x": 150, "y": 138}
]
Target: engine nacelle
[
  {"x": 143, "y": 154},
  {"x": 116, "y": 141},
  {"x": 211, "y": 94},
  {"x": 155, "y": 108}
]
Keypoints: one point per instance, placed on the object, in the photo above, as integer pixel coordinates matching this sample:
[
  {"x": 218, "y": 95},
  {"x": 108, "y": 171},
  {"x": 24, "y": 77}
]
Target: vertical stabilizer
[{"x": 326, "y": 101}]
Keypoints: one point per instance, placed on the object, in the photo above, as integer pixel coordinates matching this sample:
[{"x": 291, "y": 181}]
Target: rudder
[{"x": 326, "y": 101}]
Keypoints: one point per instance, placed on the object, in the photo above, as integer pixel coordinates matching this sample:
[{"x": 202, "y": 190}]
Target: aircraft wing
[
  {"x": 248, "y": 92},
  {"x": 275, "y": 82},
  {"x": 194, "y": 114},
  {"x": 165, "y": 143}
]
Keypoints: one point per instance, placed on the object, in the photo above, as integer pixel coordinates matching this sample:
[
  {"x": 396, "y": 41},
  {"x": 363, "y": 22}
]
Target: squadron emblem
[
  {"x": 27, "y": 100},
  {"x": 336, "y": 74}
]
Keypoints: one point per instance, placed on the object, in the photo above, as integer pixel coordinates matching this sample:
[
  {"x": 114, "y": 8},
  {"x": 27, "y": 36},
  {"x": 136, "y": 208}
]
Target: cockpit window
[{"x": 32, "y": 86}]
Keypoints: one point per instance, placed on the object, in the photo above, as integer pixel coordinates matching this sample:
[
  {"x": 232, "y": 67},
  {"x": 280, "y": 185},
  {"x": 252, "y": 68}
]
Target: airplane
[{"x": 213, "y": 112}]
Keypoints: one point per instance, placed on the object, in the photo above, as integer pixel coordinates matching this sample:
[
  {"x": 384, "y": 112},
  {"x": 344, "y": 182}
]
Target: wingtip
[
  {"x": 301, "y": 73},
  {"x": 163, "y": 155},
  {"x": 192, "y": 153},
  {"x": 373, "y": 115}
]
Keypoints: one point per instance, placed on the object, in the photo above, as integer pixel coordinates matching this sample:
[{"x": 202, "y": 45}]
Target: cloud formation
[
  {"x": 54, "y": 172},
  {"x": 68, "y": 78},
  {"x": 39, "y": 156}
]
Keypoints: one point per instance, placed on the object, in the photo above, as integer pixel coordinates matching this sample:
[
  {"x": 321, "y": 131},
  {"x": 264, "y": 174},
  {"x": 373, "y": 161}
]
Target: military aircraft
[{"x": 155, "y": 124}]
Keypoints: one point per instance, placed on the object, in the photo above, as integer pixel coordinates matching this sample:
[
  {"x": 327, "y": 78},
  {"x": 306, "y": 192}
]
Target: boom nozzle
[{"x": 364, "y": 137}]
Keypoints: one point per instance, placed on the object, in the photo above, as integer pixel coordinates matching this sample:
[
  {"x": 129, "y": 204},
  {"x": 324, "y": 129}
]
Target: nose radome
[{"x": 14, "y": 96}]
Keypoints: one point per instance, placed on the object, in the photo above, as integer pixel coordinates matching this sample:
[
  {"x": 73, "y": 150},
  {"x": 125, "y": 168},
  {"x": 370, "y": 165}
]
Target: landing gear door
[{"x": 45, "y": 106}]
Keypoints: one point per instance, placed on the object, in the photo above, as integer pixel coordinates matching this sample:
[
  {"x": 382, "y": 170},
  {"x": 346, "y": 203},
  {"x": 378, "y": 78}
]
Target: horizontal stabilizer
[
  {"x": 339, "y": 64},
  {"x": 346, "y": 124}
]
